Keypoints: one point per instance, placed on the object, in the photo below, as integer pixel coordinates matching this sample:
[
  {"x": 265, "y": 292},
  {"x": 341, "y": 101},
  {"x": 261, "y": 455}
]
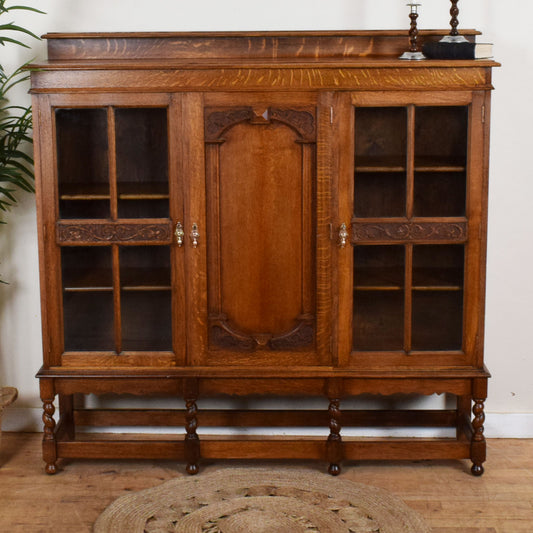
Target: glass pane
[
  {"x": 437, "y": 320},
  {"x": 379, "y": 266},
  {"x": 88, "y": 320},
  {"x": 438, "y": 265},
  {"x": 87, "y": 268},
  {"x": 88, "y": 298},
  {"x": 440, "y": 194},
  {"x": 142, "y": 162},
  {"x": 380, "y": 162},
  {"x": 379, "y": 194},
  {"x": 82, "y": 163},
  {"x": 441, "y": 135},
  {"x": 146, "y": 321},
  {"x": 378, "y": 322},
  {"x": 145, "y": 298},
  {"x": 438, "y": 278},
  {"x": 381, "y": 136}
]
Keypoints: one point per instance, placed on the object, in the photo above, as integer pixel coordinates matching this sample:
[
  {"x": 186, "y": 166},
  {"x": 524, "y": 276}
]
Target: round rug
[{"x": 260, "y": 500}]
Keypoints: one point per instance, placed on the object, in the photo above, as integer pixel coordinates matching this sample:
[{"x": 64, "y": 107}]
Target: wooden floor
[{"x": 450, "y": 499}]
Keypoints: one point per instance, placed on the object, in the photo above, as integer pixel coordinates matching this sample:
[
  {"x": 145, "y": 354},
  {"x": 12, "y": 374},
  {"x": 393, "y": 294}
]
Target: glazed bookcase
[{"x": 260, "y": 215}]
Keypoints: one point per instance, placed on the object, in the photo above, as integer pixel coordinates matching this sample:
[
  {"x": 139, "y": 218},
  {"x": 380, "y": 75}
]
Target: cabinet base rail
[{"x": 69, "y": 438}]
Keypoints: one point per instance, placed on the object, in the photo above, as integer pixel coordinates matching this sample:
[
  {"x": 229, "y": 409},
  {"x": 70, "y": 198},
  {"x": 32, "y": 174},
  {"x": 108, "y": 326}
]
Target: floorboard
[{"x": 450, "y": 499}]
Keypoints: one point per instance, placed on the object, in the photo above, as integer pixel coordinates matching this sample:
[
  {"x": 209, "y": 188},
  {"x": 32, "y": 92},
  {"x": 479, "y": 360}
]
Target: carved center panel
[{"x": 260, "y": 248}]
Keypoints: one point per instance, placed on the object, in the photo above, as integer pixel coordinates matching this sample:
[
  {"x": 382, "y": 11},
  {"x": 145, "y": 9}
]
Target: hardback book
[{"x": 443, "y": 50}]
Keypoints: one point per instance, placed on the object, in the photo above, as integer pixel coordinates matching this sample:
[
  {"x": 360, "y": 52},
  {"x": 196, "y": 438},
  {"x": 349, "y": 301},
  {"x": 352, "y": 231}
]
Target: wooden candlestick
[
  {"x": 454, "y": 36},
  {"x": 413, "y": 53}
]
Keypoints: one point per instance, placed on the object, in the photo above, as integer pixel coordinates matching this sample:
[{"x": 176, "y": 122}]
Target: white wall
[{"x": 509, "y": 354}]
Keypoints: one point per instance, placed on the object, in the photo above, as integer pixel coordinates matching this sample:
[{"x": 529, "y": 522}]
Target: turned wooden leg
[
  {"x": 192, "y": 442},
  {"x": 47, "y": 389},
  {"x": 334, "y": 444},
  {"x": 49, "y": 441},
  {"x": 478, "y": 448}
]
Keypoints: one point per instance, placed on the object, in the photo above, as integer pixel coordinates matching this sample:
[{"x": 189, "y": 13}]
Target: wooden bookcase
[{"x": 260, "y": 214}]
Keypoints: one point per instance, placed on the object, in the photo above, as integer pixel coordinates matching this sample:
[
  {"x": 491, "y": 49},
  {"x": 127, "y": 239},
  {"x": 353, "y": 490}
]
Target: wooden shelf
[
  {"x": 126, "y": 191},
  {"x": 143, "y": 191},
  {"x": 438, "y": 277},
  {"x": 145, "y": 288},
  {"x": 87, "y": 279},
  {"x": 385, "y": 278},
  {"x": 377, "y": 288},
  {"x": 380, "y": 164},
  {"x": 424, "y": 279},
  {"x": 440, "y": 168},
  {"x": 437, "y": 288},
  {"x": 85, "y": 191},
  {"x": 132, "y": 279},
  {"x": 398, "y": 164}
]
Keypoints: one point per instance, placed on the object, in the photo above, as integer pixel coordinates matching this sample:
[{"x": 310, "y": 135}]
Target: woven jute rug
[{"x": 260, "y": 500}]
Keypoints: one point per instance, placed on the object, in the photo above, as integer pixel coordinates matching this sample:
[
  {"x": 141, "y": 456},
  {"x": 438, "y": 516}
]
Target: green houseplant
[{"x": 16, "y": 165}]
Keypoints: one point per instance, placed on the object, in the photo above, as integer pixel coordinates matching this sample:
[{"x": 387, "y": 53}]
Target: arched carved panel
[
  {"x": 221, "y": 120},
  {"x": 222, "y": 335}
]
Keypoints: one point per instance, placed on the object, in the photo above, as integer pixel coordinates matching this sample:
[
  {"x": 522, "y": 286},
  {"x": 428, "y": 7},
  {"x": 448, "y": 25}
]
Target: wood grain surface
[{"x": 499, "y": 502}]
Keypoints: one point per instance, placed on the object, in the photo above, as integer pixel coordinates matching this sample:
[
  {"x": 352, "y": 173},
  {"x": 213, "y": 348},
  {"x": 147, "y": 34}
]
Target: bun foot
[
  {"x": 334, "y": 469},
  {"x": 192, "y": 469},
  {"x": 50, "y": 469},
  {"x": 477, "y": 470}
]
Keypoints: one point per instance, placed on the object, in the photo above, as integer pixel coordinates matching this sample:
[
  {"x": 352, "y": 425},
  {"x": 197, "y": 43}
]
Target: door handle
[
  {"x": 180, "y": 234},
  {"x": 343, "y": 236},
  {"x": 195, "y": 235}
]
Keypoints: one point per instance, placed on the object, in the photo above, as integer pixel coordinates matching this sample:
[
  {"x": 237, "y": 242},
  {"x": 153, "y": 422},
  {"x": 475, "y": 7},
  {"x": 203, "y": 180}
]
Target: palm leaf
[
  {"x": 14, "y": 27},
  {"x": 19, "y": 8}
]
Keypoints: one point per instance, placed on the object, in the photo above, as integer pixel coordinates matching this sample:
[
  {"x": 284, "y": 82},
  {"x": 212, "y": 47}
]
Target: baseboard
[{"x": 497, "y": 425}]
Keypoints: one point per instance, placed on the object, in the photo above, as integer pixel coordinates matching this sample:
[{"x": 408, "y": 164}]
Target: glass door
[
  {"x": 115, "y": 235},
  {"x": 409, "y": 233}
]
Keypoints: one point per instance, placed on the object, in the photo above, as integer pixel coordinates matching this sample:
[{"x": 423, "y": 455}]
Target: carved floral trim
[
  {"x": 113, "y": 232},
  {"x": 409, "y": 231}
]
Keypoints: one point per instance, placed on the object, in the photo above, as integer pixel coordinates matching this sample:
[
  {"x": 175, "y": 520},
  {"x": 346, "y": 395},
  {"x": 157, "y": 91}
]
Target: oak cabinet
[{"x": 272, "y": 214}]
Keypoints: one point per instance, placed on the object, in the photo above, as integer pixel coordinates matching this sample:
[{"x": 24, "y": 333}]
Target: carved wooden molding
[
  {"x": 219, "y": 121},
  {"x": 301, "y": 121},
  {"x": 222, "y": 335},
  {"x": 115, "y": 232},
  {"x": 334, "y": 78},
  {"x": 409, "y": 231}
]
